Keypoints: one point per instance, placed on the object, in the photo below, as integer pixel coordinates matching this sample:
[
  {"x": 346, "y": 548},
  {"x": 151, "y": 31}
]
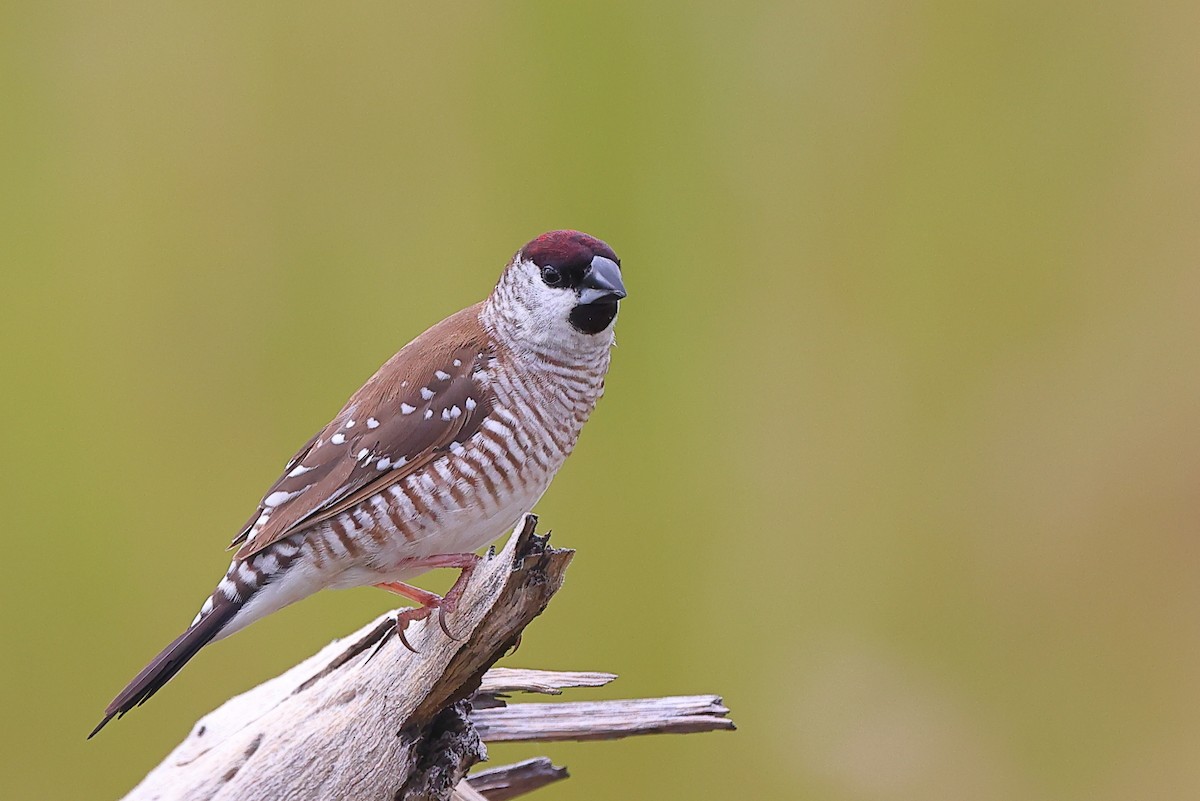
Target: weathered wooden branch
[
  {"x": 510, "y": 781},
  {"x": 367, "y": 719}
]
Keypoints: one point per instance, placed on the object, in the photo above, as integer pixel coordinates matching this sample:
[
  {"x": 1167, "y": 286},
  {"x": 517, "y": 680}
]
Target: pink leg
[
  {"x": 423, "y": 597},
  {"x": 429, "y": 601}
]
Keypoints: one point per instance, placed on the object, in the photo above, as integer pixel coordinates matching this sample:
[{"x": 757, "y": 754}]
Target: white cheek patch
[{"x": 543, "y": 317}]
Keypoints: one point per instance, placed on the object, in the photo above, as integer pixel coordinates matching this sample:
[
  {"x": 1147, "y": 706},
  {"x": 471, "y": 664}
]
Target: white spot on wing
[
  {"x": 445, "y": 414},
  {"x": 470, "y": 404},
  {"x": 338, "y": 438},
  {"x": 299, "y": 470},
  {"x": 349, "y": 424},
  {"x": 403, "y": 460},
  {"x": 362, "y": 453},
  {"x": 278, "y": 497},
  {"x": 442, "y": 375},
  {"x": 406, "y": 409},
  {"x": 428, "y": 413},
  {"x": 455, "y": 412},
  {"x": 372, "y": 422},
  {"x": 383, "y": 464},
  {"x": 458, "y": 362},
  {"x": 426, "y": 393}
]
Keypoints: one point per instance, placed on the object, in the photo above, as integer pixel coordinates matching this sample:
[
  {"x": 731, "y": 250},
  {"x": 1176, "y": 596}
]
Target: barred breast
[{"x": 477, "y": 490}]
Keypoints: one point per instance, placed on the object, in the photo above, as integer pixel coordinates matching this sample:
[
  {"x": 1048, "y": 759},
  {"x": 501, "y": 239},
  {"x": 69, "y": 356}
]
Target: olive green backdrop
[{"x": 901, "y": 447}]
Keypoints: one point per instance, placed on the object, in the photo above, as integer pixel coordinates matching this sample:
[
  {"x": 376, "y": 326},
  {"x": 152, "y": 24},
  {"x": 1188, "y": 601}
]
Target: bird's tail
[
  {"x": 172, "y": 658},
  {"x": 251, "y": 589},
  {"x": 227, "y": 610}
]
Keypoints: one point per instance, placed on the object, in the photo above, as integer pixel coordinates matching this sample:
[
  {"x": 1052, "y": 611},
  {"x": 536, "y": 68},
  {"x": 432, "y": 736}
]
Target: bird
[{"x": 439, "y": 453}]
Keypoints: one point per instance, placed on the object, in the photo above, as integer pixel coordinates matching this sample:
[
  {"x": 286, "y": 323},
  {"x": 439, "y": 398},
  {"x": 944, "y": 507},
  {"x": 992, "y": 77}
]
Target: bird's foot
[
  {"x": 429, "y": 601},
  {"x": 409, "y": 616}
]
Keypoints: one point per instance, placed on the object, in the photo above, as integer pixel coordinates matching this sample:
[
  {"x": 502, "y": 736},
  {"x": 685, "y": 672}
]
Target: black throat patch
[{"x": 592, "y": 318}]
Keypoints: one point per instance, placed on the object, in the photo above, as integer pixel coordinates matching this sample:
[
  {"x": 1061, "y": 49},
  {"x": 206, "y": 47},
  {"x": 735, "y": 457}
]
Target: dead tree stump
[{"x": 367, "y": 719}]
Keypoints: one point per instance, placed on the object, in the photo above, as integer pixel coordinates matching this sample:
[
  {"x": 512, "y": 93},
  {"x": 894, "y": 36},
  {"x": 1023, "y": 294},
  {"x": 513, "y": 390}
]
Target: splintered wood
[{"x": 365, "y": 718}]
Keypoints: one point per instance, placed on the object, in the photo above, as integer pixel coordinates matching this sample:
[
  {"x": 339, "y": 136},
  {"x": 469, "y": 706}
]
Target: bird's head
[{"x": 562, "y": 287}]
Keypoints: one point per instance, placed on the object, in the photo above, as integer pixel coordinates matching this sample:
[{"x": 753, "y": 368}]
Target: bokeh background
[{"x": 901, "y": 447}]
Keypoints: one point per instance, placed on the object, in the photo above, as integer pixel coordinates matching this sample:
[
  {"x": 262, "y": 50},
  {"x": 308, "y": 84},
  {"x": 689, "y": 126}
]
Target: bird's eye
[{"x": 551, "y": 276}]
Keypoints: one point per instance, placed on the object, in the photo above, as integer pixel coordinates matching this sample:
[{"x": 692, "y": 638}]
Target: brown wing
[{"x": 426, "y": 398}]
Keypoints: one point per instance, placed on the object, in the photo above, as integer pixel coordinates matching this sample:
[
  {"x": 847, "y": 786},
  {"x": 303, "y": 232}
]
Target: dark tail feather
[{"x": 170, "y": 660}]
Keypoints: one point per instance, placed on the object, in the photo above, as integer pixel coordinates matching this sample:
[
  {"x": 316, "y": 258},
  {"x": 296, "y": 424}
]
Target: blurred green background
[{"x": 901, "y": 447}]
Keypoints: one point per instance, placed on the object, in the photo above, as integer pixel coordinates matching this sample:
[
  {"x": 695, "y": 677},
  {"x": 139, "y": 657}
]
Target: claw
[
  {"x": 450, "y": 601},
  {"x": 408, "y": 616},
  {"x": 445, "y": 628},
  {"x": 403, "y": 639}
]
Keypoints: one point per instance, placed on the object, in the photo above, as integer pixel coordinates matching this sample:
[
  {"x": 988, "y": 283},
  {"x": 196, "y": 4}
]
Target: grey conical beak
[{"x": 602, "y": 281}]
